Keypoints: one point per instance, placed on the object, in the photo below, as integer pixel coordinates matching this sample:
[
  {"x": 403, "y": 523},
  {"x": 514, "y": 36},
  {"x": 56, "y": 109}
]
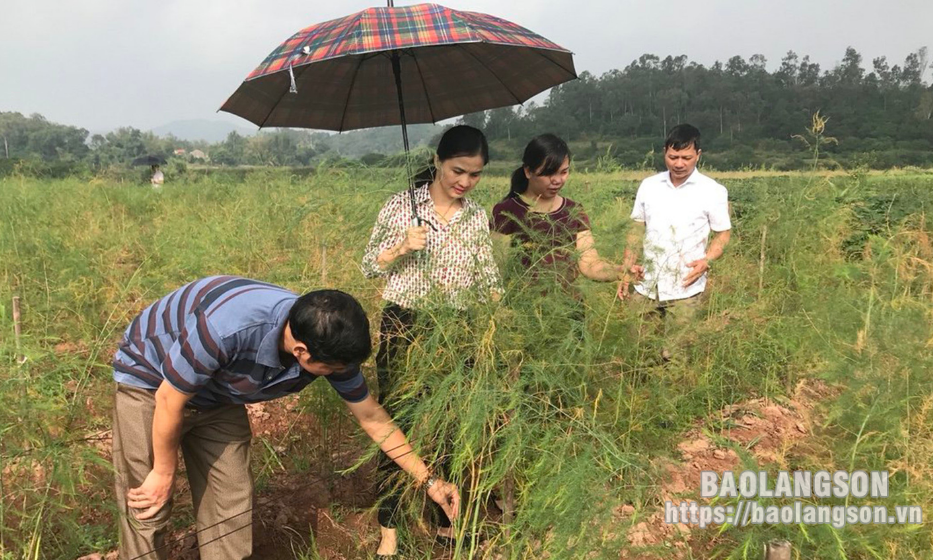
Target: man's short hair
[
  {"x": 333, "y": 325},
  {"x": 682, "y": 137}
]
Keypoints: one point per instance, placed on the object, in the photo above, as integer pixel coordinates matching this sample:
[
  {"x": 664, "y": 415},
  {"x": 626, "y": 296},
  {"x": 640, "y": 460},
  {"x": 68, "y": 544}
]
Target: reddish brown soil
[
  {"x": 289, "y": 507},
  {"x": 771, "y": 432}
]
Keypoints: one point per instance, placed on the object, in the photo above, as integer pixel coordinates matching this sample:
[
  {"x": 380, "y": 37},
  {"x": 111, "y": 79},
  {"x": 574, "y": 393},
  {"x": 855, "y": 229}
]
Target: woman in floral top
[{"x": 440, "y": 257}]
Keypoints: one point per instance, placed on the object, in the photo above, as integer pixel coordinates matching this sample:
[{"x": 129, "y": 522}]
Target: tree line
[{"x": 881, "y": 117}]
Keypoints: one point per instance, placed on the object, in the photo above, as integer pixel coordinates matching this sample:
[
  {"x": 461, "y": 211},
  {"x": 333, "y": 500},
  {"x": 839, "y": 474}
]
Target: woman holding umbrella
[{"x": 439, "y": 255}]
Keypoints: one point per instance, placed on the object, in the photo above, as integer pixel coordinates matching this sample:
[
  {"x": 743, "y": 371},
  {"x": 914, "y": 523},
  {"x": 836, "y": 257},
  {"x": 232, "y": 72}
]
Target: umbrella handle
[{"x": 415, "y": 218}]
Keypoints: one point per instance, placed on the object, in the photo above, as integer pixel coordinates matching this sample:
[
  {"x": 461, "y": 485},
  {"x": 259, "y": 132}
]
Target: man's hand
[
  {"x": 167, "y": 419},
  {"x": 636, "y": 272},
  {"x": 152, "y": 495},
  {"x": 697, "y": 268},
  {"x": 446, "y": 495},
  {"x": 377, "y": 424},
  {"x": 416, "y": 239}
]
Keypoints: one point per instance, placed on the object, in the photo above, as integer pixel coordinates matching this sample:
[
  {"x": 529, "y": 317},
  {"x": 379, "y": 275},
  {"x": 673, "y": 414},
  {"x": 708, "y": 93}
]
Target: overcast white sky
[{"x": 100, "y": 64}]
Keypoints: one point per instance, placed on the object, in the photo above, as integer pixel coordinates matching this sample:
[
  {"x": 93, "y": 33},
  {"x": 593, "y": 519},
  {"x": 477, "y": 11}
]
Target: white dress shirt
[{"x": 677, "y": 221}]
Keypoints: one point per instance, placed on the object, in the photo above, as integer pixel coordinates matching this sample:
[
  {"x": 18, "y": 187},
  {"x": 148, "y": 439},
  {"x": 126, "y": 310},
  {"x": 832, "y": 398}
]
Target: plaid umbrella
[
  {"x": 388, "y": 66},
  {"x": 339, "y": 75}
]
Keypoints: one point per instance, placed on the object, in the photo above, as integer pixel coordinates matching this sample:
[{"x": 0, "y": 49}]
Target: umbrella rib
[
  {"x": 276, "y": 104},
  {"x": 554, "y": 62},
  {"x": 346, "y": 106},
  {"x": 494, "y": 75},
  {"x": 425, "y": 87}
]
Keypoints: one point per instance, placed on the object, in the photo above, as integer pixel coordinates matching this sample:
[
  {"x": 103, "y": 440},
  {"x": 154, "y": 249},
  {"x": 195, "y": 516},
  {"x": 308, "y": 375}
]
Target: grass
[{"x": 840, "y": 287}]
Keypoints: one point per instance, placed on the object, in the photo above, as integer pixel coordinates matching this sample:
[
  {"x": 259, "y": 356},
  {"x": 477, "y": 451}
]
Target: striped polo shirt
[{"x": 218, "y": 338}]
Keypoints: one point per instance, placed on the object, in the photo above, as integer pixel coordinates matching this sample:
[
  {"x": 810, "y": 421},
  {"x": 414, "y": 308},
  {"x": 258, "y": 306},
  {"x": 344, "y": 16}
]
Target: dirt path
[{"x": 769, "y": 430}]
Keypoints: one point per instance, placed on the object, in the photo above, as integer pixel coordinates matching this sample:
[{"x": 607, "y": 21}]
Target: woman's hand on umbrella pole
[
  {"x": 416, "y": 239},
  {"x": 445, "y": 495}
]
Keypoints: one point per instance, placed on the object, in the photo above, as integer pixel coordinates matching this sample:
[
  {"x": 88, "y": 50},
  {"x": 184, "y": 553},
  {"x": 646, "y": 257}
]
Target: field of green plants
[{"x": 827, "y": 278}]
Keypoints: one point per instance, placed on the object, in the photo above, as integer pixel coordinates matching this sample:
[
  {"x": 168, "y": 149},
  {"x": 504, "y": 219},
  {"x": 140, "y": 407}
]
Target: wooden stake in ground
[
  {"x": 778, "y": 550},
  {"x": 323, "y": 264},
  {"x": 17, "y": 331},
  {"x": 508, "y": 504},
  {"x": 761, "y": 261}
]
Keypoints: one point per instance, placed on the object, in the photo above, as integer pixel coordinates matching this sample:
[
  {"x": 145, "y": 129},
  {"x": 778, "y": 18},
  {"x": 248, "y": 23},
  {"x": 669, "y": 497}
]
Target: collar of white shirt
[{"x": 693, "y": 179}]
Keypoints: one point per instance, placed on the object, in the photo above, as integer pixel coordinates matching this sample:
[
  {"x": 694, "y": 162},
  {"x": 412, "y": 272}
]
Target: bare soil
[
  {"x": 318, "y": 509},
  {"x": 770, "y": 431}
]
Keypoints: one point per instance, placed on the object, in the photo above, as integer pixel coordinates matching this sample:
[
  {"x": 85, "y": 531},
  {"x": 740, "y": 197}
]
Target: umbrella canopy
[
  {"x": 149, "y": 160},
  {"x": 339, "y": 75}
]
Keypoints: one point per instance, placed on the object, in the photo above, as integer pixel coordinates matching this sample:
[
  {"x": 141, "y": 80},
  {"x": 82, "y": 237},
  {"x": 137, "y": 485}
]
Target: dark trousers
[{"x": 396, "y": 331}]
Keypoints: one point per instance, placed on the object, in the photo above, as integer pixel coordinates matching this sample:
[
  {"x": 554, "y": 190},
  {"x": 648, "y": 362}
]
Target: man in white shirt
[{"x": 674, "y": 213}]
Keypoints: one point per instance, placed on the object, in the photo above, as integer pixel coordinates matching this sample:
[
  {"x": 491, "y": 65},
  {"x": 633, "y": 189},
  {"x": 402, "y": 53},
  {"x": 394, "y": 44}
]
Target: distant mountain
[
  {"x": 353, "y": 144},
  {"x": 201, "y": 129},
  {"x": 383, "y": 140}
]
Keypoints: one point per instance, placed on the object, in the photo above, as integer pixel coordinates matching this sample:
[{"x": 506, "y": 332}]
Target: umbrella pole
[{"x": 397, "y": 70}]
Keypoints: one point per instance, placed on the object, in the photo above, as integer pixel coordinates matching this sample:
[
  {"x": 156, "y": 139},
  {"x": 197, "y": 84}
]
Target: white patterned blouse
[{"x": 455, "y": 269}]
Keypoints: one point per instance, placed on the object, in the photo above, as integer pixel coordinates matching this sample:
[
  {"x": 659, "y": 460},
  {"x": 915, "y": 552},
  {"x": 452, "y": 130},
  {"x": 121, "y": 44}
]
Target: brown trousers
[
  {"x": 670, "y": 320},
  {"x": 215, "y": 447}
]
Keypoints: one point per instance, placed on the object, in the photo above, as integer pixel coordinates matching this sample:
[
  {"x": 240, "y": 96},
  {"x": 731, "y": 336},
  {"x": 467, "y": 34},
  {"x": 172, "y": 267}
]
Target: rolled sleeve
[
  {"x": 719, "y": 212},
  {"x": 386, "y": 234},
  {"x": 349, "y": 384},
  {"x": 502, "y": 220},
  {"x": 580, "y": 221},
  {"x": 638, "y": 210},
  {"x": 195, "y": 356},
  {"x": 487, "y": 271}
]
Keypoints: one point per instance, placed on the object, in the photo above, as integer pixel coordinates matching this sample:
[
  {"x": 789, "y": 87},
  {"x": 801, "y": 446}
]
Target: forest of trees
[{"x": 881, "y": 114}]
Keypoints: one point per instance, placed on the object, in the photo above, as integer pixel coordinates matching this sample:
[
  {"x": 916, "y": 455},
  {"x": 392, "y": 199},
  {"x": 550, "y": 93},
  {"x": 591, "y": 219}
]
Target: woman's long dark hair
[
  {"x": 459, "y": 141},
  {"x": 543, "y": 155}
]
